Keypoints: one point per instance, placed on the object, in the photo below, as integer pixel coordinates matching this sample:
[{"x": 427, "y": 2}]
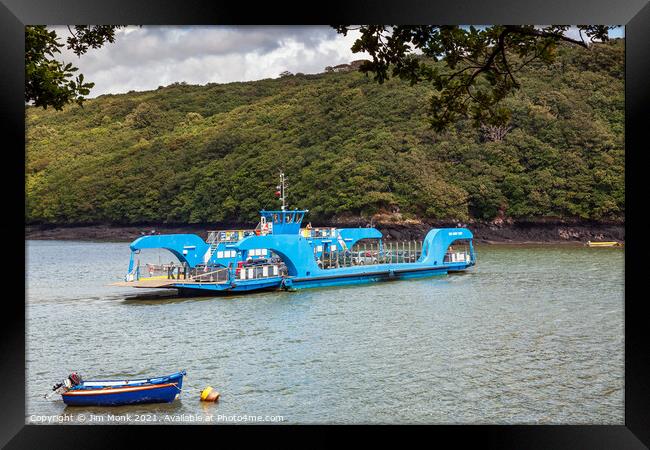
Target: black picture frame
[{"x": 633, "y": 14}]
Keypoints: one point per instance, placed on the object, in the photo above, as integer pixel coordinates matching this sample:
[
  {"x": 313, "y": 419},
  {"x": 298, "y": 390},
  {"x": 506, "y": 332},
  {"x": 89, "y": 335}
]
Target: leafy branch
[
  {"x": 50, "y": 82},
  {"x": 479, "y": 66}
]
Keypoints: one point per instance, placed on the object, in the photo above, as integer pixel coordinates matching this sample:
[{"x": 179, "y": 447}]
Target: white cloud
[{"x": 143, "y": 58}]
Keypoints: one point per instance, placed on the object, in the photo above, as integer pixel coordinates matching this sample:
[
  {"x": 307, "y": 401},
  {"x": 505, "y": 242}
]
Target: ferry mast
[{"x": 282, "y": 189}]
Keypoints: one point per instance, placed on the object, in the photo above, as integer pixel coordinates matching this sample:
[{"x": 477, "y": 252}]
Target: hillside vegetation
[{"x": 350, "y": 147}]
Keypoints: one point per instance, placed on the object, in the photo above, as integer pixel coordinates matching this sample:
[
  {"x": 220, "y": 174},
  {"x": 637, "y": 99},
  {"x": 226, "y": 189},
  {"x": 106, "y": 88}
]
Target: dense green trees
[{"x": 351, "y": 148}]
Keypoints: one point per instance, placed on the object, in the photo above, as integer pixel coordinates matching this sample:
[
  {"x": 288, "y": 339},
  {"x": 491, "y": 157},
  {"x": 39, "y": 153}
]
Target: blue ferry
[{"x": 281, "y": 254}]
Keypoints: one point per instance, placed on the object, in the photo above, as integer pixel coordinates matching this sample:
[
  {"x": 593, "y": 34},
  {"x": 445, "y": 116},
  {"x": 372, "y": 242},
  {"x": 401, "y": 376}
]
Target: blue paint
[{"x": 175, "y": 243}]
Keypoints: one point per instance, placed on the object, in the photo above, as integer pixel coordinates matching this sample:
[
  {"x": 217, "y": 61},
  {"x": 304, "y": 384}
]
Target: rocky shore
[
  {"x": 523, "y": 233},
  {"x": 493, "y": 232}
]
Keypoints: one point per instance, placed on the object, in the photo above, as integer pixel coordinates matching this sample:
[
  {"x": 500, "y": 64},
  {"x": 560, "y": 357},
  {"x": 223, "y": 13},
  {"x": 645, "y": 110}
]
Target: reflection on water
[{"x": 531, "y": 335}]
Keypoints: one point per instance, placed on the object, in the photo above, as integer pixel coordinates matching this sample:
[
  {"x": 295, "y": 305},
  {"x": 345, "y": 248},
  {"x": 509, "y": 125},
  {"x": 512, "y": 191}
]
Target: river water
[{"x": 530, "y": 335}]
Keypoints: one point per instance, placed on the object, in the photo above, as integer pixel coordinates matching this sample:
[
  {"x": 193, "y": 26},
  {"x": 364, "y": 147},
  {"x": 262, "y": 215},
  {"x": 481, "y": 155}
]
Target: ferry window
[
  {"x": 319, "y": 248},
  {"x": 219, "y": 254}
]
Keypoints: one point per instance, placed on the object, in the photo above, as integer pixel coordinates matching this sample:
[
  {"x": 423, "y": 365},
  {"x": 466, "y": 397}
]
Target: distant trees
[
  {"x": 49, "y": 82},
  {"x": 193, "y": 117},
  {"x": 354, "y": 65},
  {"x": 144, "y": 115}
]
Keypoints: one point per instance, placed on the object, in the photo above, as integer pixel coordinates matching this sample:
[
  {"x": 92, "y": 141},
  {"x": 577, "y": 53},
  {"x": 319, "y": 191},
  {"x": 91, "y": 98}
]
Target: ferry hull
[
  {"x": 392, "y": 273},
  {"x": 229, "y": 289},
  {"x": 356, "y": 279},
  {"x": 161, "y": 394}
]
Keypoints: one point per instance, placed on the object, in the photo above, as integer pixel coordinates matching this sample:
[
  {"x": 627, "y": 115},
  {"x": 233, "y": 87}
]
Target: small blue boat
[{"x": 125, "y": 392}]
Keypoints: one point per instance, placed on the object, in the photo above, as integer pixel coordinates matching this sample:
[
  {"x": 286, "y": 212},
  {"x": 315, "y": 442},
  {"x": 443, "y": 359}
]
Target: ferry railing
[
  {"x": 391, "y": 252},
  {"x": 216, "y": 236},
  {"x": 254, "y": 272},
  {"x": 457, "y": 256},
  {"x": 151, "y": 269},
  {"x": 158, "y": 271},
  {"x": 215, "y": 276},
  {"x": 319, "y": 232},
  {"x": 199, "y": 274}
]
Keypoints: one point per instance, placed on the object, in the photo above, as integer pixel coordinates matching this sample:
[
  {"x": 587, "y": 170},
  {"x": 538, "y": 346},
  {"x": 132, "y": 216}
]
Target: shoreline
[{"x": 484, "y": 233}]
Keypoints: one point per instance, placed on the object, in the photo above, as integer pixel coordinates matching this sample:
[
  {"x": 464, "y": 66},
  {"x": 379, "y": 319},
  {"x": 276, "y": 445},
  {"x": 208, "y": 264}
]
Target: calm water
[{"x": 529, "y": 335}]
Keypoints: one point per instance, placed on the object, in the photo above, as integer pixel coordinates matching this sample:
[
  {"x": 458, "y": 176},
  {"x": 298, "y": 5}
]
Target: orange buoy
[{"x": 209, "y": 395}]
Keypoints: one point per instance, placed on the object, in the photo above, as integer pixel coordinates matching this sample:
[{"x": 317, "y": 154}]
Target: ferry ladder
[{"x": 213, "y": 247}]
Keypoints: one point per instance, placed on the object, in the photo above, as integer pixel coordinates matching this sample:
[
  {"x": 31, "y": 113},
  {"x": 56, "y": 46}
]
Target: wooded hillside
[{"x": 350, "y": 147}]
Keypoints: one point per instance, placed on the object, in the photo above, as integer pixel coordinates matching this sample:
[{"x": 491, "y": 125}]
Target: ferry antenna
[{"x": 283, "y": 190}]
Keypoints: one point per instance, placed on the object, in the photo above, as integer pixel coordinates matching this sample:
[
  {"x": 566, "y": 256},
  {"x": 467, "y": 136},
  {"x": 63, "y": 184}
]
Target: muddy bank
[
  {"x": 108, "y": 233},
  {"x": 523, "y": 232},
  {"x": 483, "y": 232}
]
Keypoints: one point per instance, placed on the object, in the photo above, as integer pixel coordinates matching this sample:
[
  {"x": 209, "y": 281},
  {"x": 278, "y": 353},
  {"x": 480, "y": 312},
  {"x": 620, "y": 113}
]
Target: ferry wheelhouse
[{"x": 281, "y": 254}]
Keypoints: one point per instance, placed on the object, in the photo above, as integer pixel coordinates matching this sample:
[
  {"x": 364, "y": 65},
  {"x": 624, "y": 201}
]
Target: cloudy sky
[{"x": 143, "y": 58}]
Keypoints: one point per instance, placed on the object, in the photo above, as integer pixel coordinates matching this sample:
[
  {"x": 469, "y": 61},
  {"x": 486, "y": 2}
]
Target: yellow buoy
[{"x": 209, "y": 395}]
